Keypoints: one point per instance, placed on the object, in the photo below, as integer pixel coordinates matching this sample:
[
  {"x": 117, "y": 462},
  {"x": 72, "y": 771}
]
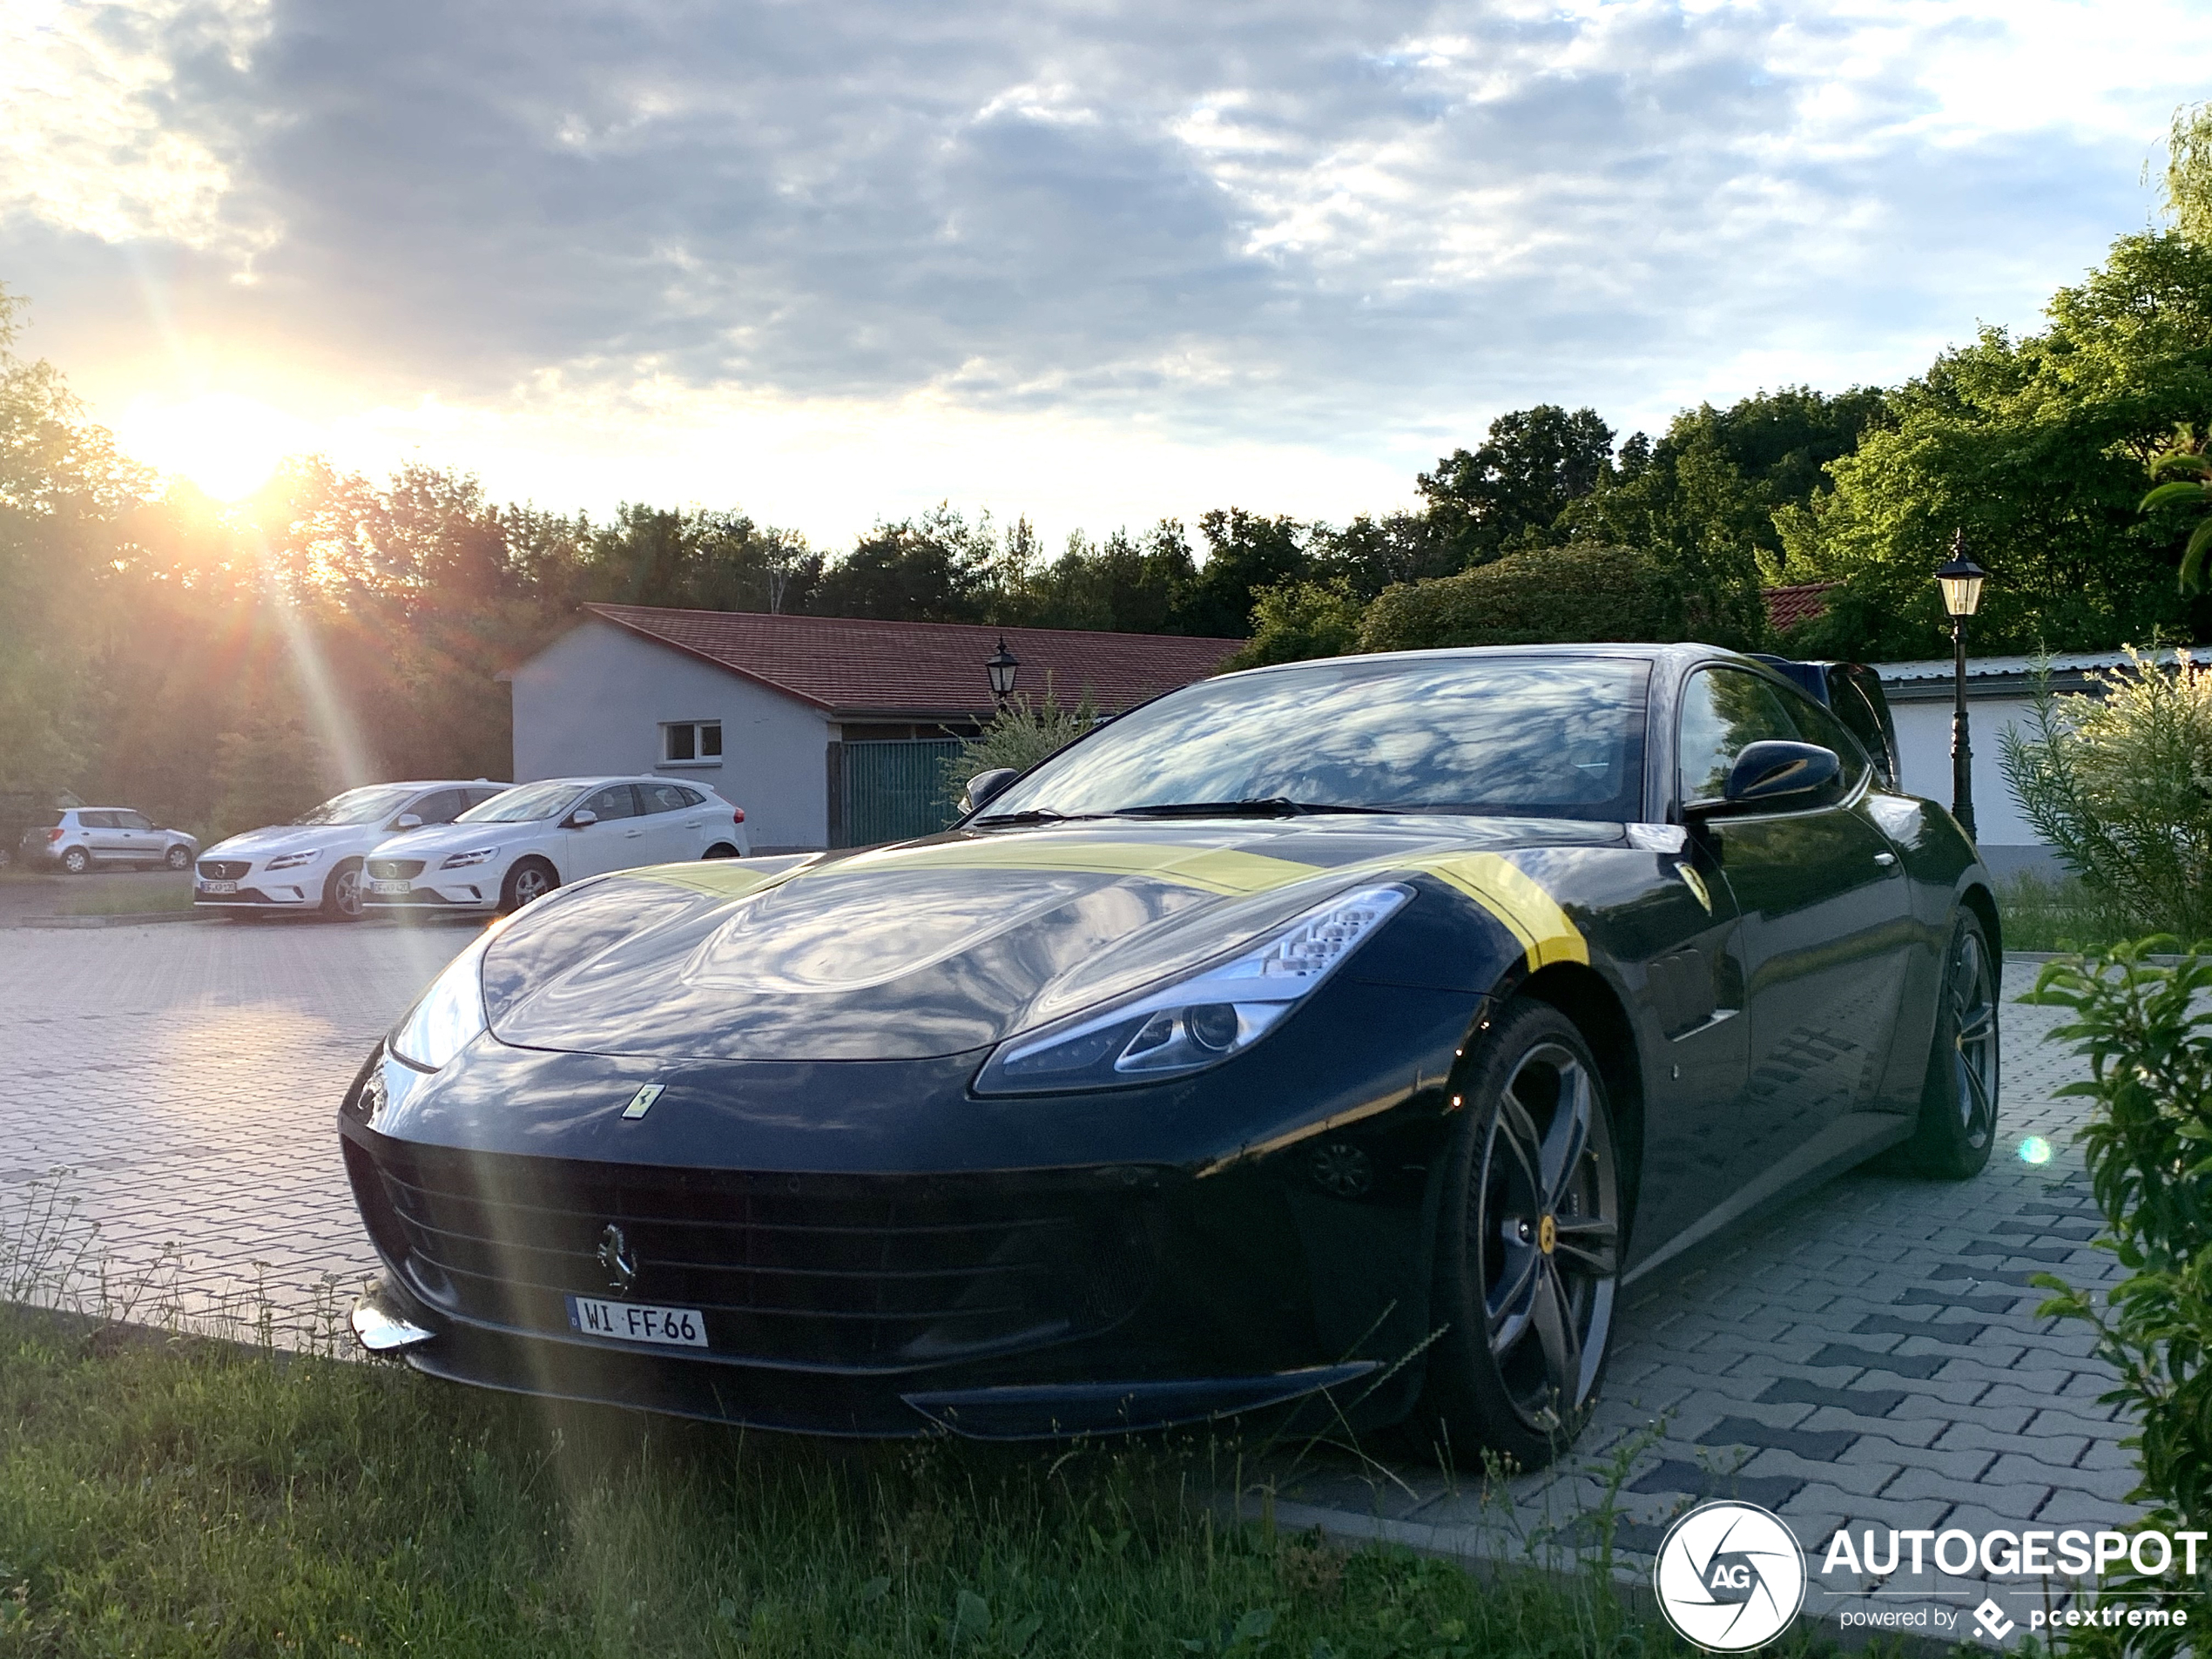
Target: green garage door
[{"x": 895, "y": 790}]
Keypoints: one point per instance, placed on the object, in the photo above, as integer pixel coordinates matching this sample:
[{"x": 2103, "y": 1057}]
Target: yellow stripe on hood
[{"x": 1212, "y": 869}]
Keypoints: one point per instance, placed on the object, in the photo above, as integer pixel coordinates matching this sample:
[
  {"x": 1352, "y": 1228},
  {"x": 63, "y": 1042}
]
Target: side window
[
  {"x": 1859, "y": 701},
  {"x": 133, "y": 820},
  {"x": 96, "y": 820},
  {"x": 664, "y": 798},
  {"x": 439, "y": 806},
  {"x": 691, "y": 796},
  {"x": 1724, "y": 711},
  {"x": 617, "y": 801},
  {"x": 478, "y": 796},
  {"x": 1819, "y": 725}
]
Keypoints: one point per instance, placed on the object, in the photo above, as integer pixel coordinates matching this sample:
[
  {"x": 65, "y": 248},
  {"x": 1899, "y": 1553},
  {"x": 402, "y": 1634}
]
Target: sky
[{"x": 1095, "y": 262}]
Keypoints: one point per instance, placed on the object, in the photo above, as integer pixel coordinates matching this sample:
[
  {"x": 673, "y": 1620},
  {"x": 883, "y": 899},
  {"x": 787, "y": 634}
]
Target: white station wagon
[{"x": 536, "y": 837}]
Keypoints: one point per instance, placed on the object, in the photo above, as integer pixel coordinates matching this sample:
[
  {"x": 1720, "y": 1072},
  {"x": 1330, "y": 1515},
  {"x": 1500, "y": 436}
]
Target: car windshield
[
  {"x": 1528, "y": 737},
  {"x": 524, "y": 805},
  {"x": 369, "y": 806}
]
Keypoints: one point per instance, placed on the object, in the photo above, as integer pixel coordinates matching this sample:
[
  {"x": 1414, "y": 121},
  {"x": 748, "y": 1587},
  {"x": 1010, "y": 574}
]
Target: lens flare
[
  {"x": 2035, "y": 1149},
  {"x": 228, "y": 445}
]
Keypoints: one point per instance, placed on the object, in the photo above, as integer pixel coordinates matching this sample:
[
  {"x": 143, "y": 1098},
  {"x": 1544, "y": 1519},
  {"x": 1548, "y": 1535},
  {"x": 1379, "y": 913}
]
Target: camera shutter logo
[{"x": 1730, "y": 1576}]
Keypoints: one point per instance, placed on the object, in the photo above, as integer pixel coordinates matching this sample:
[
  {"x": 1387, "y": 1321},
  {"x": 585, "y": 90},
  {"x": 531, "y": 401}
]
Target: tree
[
  {"x": 1120, "y": 584},
  {"x": 2036, "y": 448},
  {"x": 934, "y": 568},
  {"x": 1293, "y": 621},
  {"x": 2189, "y": 171},
  {"x": 1509, "y": 490},
  {"x": 1368, "y": 555},
  {"x": 1245, "y": 553}
]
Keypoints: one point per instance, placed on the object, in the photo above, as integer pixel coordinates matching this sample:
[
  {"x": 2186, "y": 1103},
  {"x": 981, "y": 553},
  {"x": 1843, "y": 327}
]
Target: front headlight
[
  {"x": 450, "y": 1014},
  {"x": 1196, "y": 1022},
  {"x": 474, "y": 855},
  {"x": 292, "y": 860}
]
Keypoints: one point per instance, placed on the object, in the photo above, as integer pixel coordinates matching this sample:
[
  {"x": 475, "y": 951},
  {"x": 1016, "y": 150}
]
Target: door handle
[
  {"x": 1886, "y": 859},
  {"x": 631, "y": 835}
]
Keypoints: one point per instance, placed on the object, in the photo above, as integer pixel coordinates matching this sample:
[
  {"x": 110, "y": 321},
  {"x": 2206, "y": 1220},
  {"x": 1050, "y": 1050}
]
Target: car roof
[{"x": 1682, "y": 655}]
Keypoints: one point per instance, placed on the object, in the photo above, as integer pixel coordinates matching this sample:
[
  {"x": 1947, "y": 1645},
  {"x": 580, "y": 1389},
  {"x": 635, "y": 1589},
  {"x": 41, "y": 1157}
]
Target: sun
[{"x": 228, "y": 445}]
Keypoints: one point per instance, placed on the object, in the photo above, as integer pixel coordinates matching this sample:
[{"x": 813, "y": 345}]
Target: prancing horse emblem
[{"x": 614, "y": 1255}]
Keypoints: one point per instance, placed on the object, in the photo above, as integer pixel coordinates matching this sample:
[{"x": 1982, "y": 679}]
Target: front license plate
[
  {"x": 635, "y": 1322},
  {"x": 390, "y": 886},
  {"x": 218, "y": 887}
]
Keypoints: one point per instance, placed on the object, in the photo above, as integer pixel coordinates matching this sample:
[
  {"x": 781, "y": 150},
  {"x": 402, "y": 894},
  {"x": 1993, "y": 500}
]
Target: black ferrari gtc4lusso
[{"x": 1357, "y": 1026}]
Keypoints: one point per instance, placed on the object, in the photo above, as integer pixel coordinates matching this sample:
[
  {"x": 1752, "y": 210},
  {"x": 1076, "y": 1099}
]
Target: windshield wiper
[
  {"x": 1035, "y": 815},
  {"x": 1261, "y": 806}
]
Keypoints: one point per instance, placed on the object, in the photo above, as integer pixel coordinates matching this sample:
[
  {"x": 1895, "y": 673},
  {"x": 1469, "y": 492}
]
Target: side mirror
[
  {"x": 1776, "y": 773},
  {"x": 406, "y": 821},
  {"x": 582, "y": 818},
  {"x": 985, "y": 785}
]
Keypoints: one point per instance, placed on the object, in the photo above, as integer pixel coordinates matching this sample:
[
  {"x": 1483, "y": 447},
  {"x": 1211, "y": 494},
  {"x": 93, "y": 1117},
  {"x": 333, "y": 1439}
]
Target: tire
[
  {"x": 77, "y": 861},
  {"x": 1957, "y": 1123},
  {"x": 720, "y": 850},
  {"x": 529, "y": 879},
  {"x": 342, "y": 894},
  {"x": 1528, "y": 1232},
  {"x": 177, "y": 858}
]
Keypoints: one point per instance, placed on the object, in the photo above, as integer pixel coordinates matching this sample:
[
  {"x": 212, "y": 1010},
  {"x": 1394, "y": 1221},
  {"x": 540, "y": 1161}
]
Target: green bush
[
  {"x": 1540, "y": 596},
  {"x": 1293, "y": 622},
  {"x": 1020, "y": 734},
  {"x": 2148, "y": 1035},
  {"x": 2120, "y": 787}
]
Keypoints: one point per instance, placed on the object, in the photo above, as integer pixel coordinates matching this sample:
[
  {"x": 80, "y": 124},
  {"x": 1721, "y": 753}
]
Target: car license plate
[
  {"x": 390, "y": 886},
  {"x": 635, "y": 1322},
  {"x": 218, "y": 887}
]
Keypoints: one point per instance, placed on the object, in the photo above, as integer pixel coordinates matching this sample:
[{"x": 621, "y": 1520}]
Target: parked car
[
  {"x": 79, "y": 839},
  {"x": 314, "y": 862},
  {"x": 1361, "y": 1026},
  {"x": 537, "y": 837}
]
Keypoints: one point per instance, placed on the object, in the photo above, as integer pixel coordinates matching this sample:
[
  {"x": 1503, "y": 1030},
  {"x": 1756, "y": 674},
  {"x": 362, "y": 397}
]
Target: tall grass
[{"x": 2062, "y": 912}]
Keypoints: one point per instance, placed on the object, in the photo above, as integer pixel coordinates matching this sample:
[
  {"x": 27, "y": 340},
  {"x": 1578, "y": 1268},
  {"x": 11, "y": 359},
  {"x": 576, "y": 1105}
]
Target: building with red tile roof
[
  {"x": 827, "y": 731},
  {"x": 1787, "y": 607}
]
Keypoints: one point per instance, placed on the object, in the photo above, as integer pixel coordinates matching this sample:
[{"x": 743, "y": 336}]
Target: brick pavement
[{"x": 1869, "y": 1357}]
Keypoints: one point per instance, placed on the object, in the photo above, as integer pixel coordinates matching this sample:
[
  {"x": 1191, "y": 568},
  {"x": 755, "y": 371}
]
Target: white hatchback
[
  {"x": 538, "y": 836},
  {"x": 314, "y": 862}
]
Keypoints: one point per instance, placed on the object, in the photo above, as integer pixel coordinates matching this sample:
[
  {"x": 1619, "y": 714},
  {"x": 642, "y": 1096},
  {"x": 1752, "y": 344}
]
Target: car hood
[
  {"x": 435, "y": 841},
  {"x": 267, "y": 842},
  {"x": 946, "y": 945}
]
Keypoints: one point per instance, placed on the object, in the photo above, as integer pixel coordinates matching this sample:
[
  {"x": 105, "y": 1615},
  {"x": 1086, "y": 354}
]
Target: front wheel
[
  {"x": 531, "y": 879},
  {"x": 1529, "y": 1232},
  {"x": 1958, "y": 1122},
  {"x": 341, "y": 899}
]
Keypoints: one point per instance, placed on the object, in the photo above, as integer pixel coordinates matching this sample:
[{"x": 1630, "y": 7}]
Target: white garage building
[{"x": 827, "y": 731}]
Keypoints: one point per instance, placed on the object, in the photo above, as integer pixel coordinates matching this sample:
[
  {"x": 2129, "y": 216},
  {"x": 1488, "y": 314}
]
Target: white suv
[
  {"x": 537, "y": 836},
  {"x": 314, "y": 862}
]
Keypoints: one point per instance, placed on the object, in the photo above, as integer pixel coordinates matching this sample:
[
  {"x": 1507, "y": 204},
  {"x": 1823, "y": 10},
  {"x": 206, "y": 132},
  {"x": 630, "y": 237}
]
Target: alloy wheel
[
  {"x": 1548, "y": 1218},
  {"x": 346, "y": 891},
  {"x": 1973, "y": 1024},
  {"x": 531, "y": 883}
]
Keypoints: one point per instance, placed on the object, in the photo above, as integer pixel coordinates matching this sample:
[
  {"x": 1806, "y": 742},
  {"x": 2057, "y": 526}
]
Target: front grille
[
  {"x": 876, "y": 1273},
  {"x": 395, "y": 869},
  {"x": 224, "y": 869}
]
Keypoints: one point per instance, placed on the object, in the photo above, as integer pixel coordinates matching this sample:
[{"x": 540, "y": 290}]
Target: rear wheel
[
  {"x": 177, "y": 857},
  {"x": 77, "y": 861},
  {"x": 530, "y": 879},
  {"x": 1528, "y": 1245},
  {"x": 1958, "y": 1122},
  {"x": 341, "y": 897},
  {"x": 720, "y": 850}
]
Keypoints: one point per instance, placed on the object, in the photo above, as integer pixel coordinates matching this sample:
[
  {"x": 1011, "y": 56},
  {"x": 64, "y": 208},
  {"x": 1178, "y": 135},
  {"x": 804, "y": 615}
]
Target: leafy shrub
[
  {"x": 1540, "y": 596},
  {"x": 1020, "y": 735},
  {"x": 2120, "y": 787},
  {"x": 2147, "y": 1034},
  {"x": 1295, "y": 621}
]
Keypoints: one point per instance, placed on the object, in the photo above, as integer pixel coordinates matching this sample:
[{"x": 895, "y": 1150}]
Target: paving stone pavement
[{"x": 1869, "y": 1358}]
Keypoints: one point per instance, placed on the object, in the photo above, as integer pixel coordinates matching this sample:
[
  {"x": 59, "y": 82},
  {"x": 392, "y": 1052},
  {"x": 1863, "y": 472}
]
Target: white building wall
[
  {"x": 595, "y": 700},
  {"x": 1924, "y": 761}
]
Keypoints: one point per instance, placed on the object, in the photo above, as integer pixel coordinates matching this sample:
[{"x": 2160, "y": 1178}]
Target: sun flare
[{"x": 226, "y": 445}]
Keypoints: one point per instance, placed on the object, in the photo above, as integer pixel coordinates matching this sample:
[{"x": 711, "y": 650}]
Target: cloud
[{"x": 1353, "y": 230}]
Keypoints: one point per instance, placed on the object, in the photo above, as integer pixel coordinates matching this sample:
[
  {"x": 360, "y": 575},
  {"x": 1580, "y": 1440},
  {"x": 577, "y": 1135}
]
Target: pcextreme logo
[{"x": 1730, "y": 1576}]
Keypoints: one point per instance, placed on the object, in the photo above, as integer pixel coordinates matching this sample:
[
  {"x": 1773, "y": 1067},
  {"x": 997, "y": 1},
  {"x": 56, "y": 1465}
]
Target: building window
[{"x": 691, "y": 742}]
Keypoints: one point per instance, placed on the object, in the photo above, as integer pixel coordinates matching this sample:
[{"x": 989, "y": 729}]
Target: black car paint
[{"x": 1763, "y": 1015}]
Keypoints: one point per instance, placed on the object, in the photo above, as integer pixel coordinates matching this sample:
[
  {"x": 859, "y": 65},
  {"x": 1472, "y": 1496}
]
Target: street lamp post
[
  {"x": 1001, "y": 665},
  {"x": 1960, "y": 579}
]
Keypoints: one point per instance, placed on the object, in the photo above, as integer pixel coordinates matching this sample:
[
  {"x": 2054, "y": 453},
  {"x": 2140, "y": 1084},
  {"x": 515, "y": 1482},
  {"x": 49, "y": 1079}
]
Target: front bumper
[{"x": 447, "y": 891}]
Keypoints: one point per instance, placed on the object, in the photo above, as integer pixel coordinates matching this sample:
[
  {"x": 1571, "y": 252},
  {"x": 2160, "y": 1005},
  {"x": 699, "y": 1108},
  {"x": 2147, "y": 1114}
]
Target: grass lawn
[
  {"x": 132, "y": 898},
  {"x": 170, "y": 1495},
  {"x": 2041, "y": 913}
]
